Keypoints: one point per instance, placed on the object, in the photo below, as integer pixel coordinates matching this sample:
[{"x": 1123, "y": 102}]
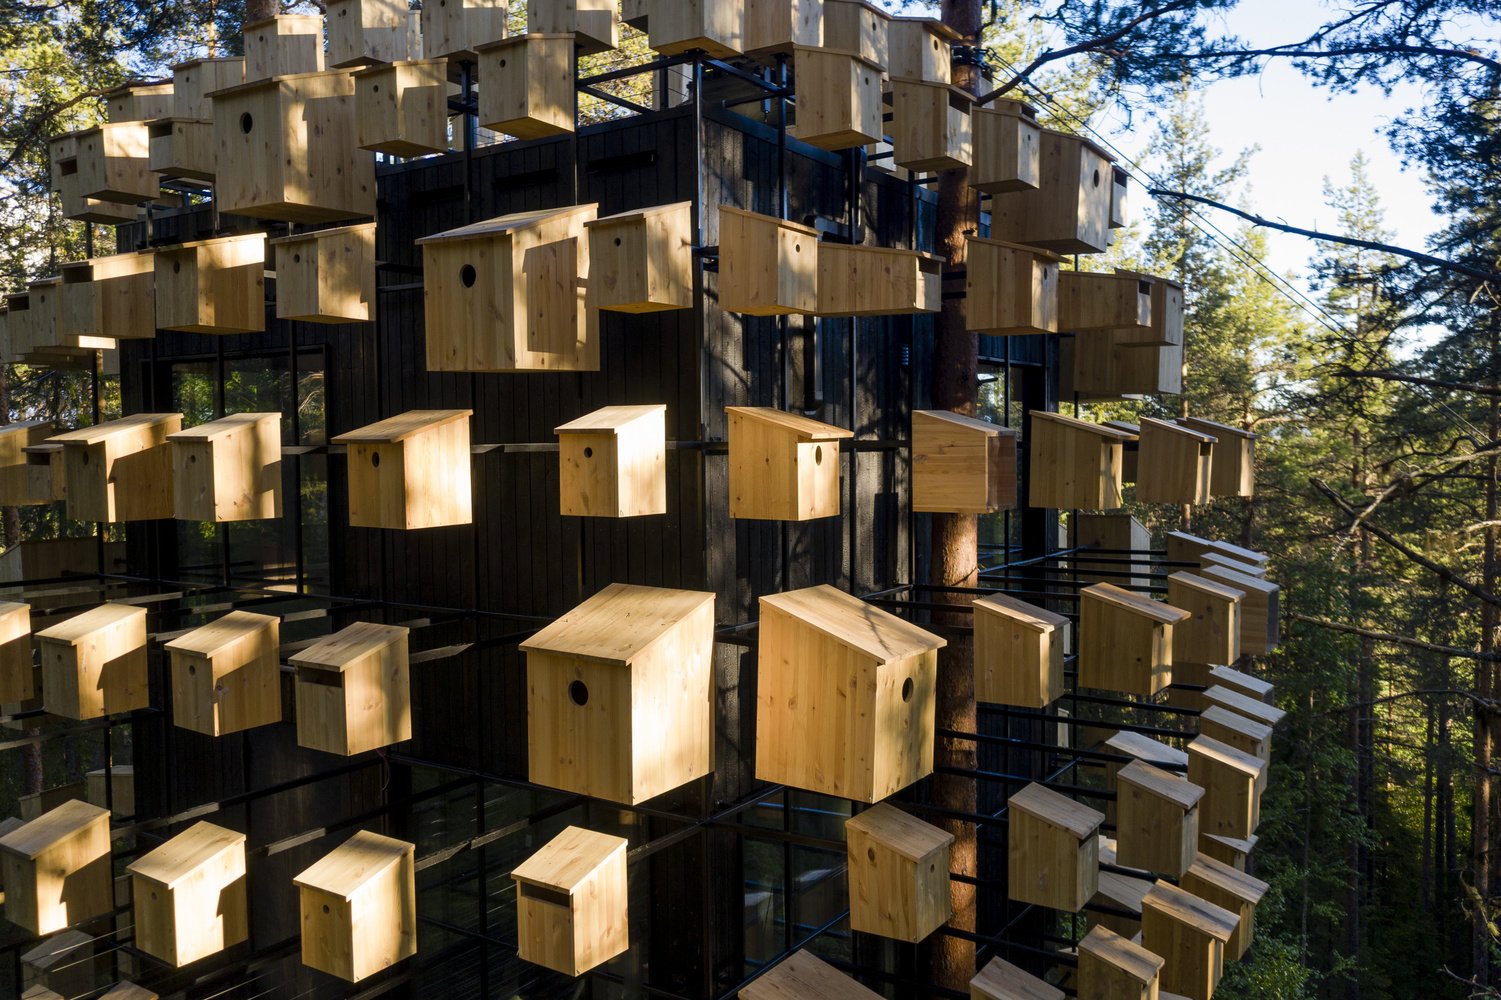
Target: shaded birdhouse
[
  {"x": 783, "y": 467},
  {"x": 898, "y": 874},
  {"x": 1125, "y": 640},
  {"x": 1112, "y": 967},
  {"x": 773, "y": 26},
  {"x": 767, "y": 266},
  {"x": 110, "y": 297},
  {"x": 1183, "y": 547},
  {"x": 1260, "y": 617},
  {"x": 1213, "y": 558},
  {"x": 859, "y": 27},
  {"x": 1000, "y": 980},
  {"x": 1090, "y": 302},
  {"x": 17, "y": 677},
  {"x": 113, "y": 788},
  {"x": 877, "y": 281},
  {"x": 190, "y": 895},
  {"x": 1074, "y": 464},
  {"x": 1166, "y": 328},
  {"x": 1233, "y": 851},
  {"x": 1118, "y": 535},
  {"x": 840, "y": 106},
  {"x": 42, "y": 332},
  {"x": 1008, "y": 148},
  {"x": 61, "y": 966},
  {"x": 1119, "y": 190},
  {"x": 620, "y": 697},
  {"x": 112, "y": 163},
  {"x": 845, "y": 700},
  {"x": 1233, "y": 781},
  {"x": 228, "y": 469},
  {"x": 453, "y": 29},
  {"x": 613, "y": 462},
  {"x": 528, "y": 91},
  {"x": 1230, "y": 889},
  {"x": 804, "y": 976},
  {"x": 1233, "y": 468},
  {"x": 1243, "y": 683},
  {"x": 226, "y": 675},
  {"x": 353, "y": 692},
  {"x": 56, "y": 868},
  {"x": 361, "y": 32},
  {"x": 59, "y": 557},
  {"x": 1251, "y": 708},
  {"x": 1122, "y": 892},
  {"x": 1018, "y": 652},
  {"x": 642, "y": 261},
  {"x": 1246, "y": 735},
  {"x": 213, "y": 286},
  {"x": 1094, "y": 368},
  {"x": 63, "y": 150},
  {"x": 1191, "y": 934},
  {"x": 505, "y": 295},
  {"x": 1138, "y": 747},
  {"x": 594, "y": 24},
  {"x": 1053, "y": 853},
  {"x": 139, "y": 101},
  {"x": 1069, "y": 211},
  {"x": 1156, "y": 818},
  {"x": 930, "y": 126},
  {"x": 14, "y": 474},
  {"x": 714, "y": 27},
  {"x": 182, "y": 148},
  {"x": 359, "y": 907},
  {"x": 287, "y": 150},
  {"x": 120, "y": 470},
  {"x": 1010, "y": 289},
  {"x": 401, "y": 108},
  {"x": 411, "y": 471},
  {"x": 283, "y": 45},
  {"x": 94, "y": 664},
  {"x": 327, "y": 276},
  {"x": 962, "y": 465},
  {"x": 1211, "y": 633},
  {"x": 1174, "y": 463},
  {"x": 571, "y": 912},
  {"x": 918, "y": 48},
  {"x": 194, "y": 80},
  {"x": 46, "y": 480}
]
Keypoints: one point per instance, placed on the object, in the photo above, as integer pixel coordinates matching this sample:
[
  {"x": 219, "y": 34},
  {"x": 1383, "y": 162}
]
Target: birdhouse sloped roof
[
  {"x": 568, "y": 859},
  {"x": 1034, "y": 251},
  {"x": 185, "y": 854},
  {"x": 1239, "y": 703},
  {"x": 506, "y": 225},
  {"x": 804, "y": 428},
  {"x": 1004, "y": 981},
  {"x": 81, "y": 627},
  {"x": 1057, "y": 809},
  {"x": 1217, "y": 752},
  {"x": 1081, "y": 426},
  {"x": 618, "y": 624},
  {"x": 1229, "y": 676},
  {"x": 962, "y": 422},
  {"x": 340, "y": 650},
  {"x": 1231, "y": 880},
  {"x": 899, "y": 830},
  {"x": 1213, "y": 588},
  {"x": 1026, "y": 615},
  {"x": 206, "y": 640},
  {"x": 1240, "y": 581},
  {"x": 854, "y": 623},
  {"x": 804, "y": 977},
  {"x": 1250, "y": 728},
  {"x": 1191, "y": 911},
  {"x": 401, "y": 427},
  {"x": 1122, "y": 953},
  {"x": 221, "y": 427},
  {"x": 349, "y": 867},
  {"x": 1177, "y": 429},
  {"x": 1218, "y": 430},
  {"x": 95, "y": 433},
  {"x": 1145, "y": 748},
  {"x": 1166, "y": 614},
  {"x": 637, "y": 214},
  {"x": 31, "y": 839},
  {"x": 1163, "y": 784},
  {"x": 610, "y": 419}
]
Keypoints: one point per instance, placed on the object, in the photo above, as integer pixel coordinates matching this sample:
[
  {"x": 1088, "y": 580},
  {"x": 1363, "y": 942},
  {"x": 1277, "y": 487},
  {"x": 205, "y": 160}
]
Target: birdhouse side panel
[
  {"x": 1015, "y": 665},
  {"x": 765, "y": 476},
  {"x": 143, "y": 482},
  {"x": 1231, "y": 803},
  {"x": 643, "y": 466},
  {"x": 17, "y": 671},
  {"x": 247, "y": 682},
  {"x": 230, "y": 288},
  {"x": 1194, "y": 960},
  {"x": 377, "y": 694},
  {"x": 337, "y": 179},
  {"x": 92, "y": 497},
  {"x": 562, "y": 334},
  {"x": 600, "y": 927},
  {"x": 346, "y": 278},
  {"x": 322, "y": 722},
  {"x": 67, "y": 883},
  {"x": 439, "y": 477},
  {"x": 904, "y": 724},
  {"x": 1173, "y": 468},
  {"x": 384, "y": 915},
  {"x": 672, "y": 698},
  {"x": 856, "y": 27},
  {"x": 1121, "y": 651},
  {"x": 580, "y": 727},
  {"x": 422, "y": 118}
]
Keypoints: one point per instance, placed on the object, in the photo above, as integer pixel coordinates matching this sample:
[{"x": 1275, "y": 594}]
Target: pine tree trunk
[
  {"x": 1480, "y": 838},
  {"x": 259, "y": 10},
  {"x": 1425, "y": 887}
]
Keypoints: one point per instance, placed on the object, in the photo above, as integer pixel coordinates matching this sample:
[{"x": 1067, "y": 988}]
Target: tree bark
[
  {"x": 1485, "y": 673},
  {"x": 259, "y": 10}
]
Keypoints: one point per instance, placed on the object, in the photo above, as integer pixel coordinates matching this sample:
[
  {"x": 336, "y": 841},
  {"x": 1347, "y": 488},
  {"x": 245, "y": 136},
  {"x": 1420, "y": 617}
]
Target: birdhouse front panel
[
  {"x": 401, "y": 108},
  {"x": 17, "y": 682},
  {"x": 282, "y": 45},
  {"x": 120, "y": 470},
  {"x": 877, "y": 281},
  {"x": 961, "y": 465},
  {"x": 110, "y": 297},
  {"x": 1246, "y": 735},
  {"x": 1211, "y": 633},
  {"x": 1018, "y": 652},
  {"x": 366, "y": 31},
  {"x": 57, "y": 868},
  {"x": 1090, "y": 302},
  {"x": 190, "y": 895},
  {"x": 717, "y": 27},
  {"x": 410, "y": 472},
  {"x": 930, "y": 126},
  {"x": 773, "y": 26},
  {"x": 1174, "y": 463},
  {"x": 1100, "y": 369},
  {"x": 841, "y": 105},
  {"x": 613, "y": 462},
  {"x": 182, "y": 147},
  {"x": 213, "y": 286},
  {"x": 783, "y": 467},
  {"x": 353, "y": 690},
  {"x": 1008, "y": 148},
  {"x": 768, "y": 266},
  {"x": 571, "y": 910},
  {"x": 1010, "y": 289},
  {"x": 1260, "y": 618},
  {"x": 642, "y": 261},
  {"x": 228, "y": 469},
  {"x": 1069, "y": 212},
  {"x": 94, "y": 664},
  {"x": 898, "y": 874},
  {"x": 359, "y": 907},
  {"x": 226, "y": 675},
  {"x": 1053, "y": 855}
]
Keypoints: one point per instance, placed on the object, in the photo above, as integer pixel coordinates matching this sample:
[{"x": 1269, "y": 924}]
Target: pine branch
[
  {"x": 1289, "y": 52},
  {"x": 1400, "y": 640},
  {"x": 1484, "y": 390}
]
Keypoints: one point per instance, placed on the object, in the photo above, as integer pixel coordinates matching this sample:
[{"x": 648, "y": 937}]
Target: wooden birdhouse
[
  {"x": 17, "y": 677},
  {"x": 1018, "y": 652},
  {"x": 1191, "y": 934},
  {"x": 94, "y": 664},
  {"x": 411, "y": 471},
  {"x": 59, "y": 557},
  {"x": 1251, "y": 708},
  {"x": 361, "y": 32},
  {"x": 228, "y": 469},
  {"x": 46, "y": 480},
  {"x": 1157, "y": 819},
  {"x": 287, "y": 150},
  {"x": 528, "y": 91},
  {"x": 226, "y": 675},
  {"x": 1260, "y": 616},
  {"x": 571, "y": 912},
  {"x": 56, "y": 868},
  {"x": 1183, "y": 547},
  {"x": 1246, "y": 735},
  {"x": 767, "y": 266},
  {"x": 594, "y": 24},
  {"x": 642, "y": 261},
  {"x": 113, "y": 163},
  {"x": 1137, "y": 746},
  {"x": 817, "y": 730},
  {"x": 452, "y": 29},
  {"x": 1122, "y": 892},
  {"x": 962, "y": 465},
  {"x": 714, "y": 27},
  {"x": 359, "y": 907},
  {"x": 620, "y": 694},
  {"x": 182, "y": 147},
  {"x": 1053, "y": 852},
  {"x": 877, "y": 281},
  {"x": 212, "y": 286},
  {"x": 1119, "y": 536},
  {"x": 1230, "y": 889},
  {"x": 859, "y": 27},
  {"x": 1211, "y": 633},
  {"x": 1233, "y": 851},
  {"x": 1000, "y": 980},
  {"x": 613, "y": 462},
  {"x": 898, "y": 874},
  {"x": 1233, "y": 781},
  {"x": 1094, "y": 368},
  {"x": 1008, "y": 148},
  {"x": 63, "y": 150},
  {"x": 1112, "y": 967},
  {"x": 930, "y": 126},
  {"x": 110, "y": 297},
  {"x": 353, "y": 692},
  {"x": 918, "y": 48},
  {"x": 63, "y": 965},
  {"x": 14, "y": 439},
  {"x": 1243, "y": 683},
  {"x": 773, "y": 26},
  {"x": 1069, "y": 211},
  {"x": 193, "y": 82},
  {"x": 401, "y": 108},
  {"x": 1166, "y": 328},
  {"x": 783, "y": 467},
  {"x": 283, "y": 45},
  {"x": 840, "y": 106},
  {"x": 1233, "y": 467},
  {"x": 1074, "y": 464},
  {"x": 113, "y": 788},
  {"x": 1097, "y": 302},
  {"x": 139, "y": 101},
  {"x": 1125, "y": 640},
  {"x": 120, "y": 470},
  {"x": 37, "y": 804},
  {"x": 42, "y": 323},
  {"x": 190, "y": 895},
  {"x": 505, "y": 295},
  {"x": 1174, "y": 463},
  {"x": 327, "y": 276},
  {"x": 1010, "y": 289}
]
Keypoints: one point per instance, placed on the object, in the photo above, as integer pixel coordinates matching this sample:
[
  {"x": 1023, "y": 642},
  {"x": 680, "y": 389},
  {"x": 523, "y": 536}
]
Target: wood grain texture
[
  {"x": 773, "y": 26},
  {"x": 1174, "y": 463},
  {"x": 613, "y": 462},
  {"x": 930, "y": 126},
  {"x": 529, "y": 85},
  {"x": 1000, "y": 980},
  {"x": 1230, "y": 889},
  {"x": 859, "y": 27},
  {"x": 56, "y": 868},
  {"x": 1157, "y": 819},
  {"x": 768, "y": 267},
  {"x": 401, "y": 109},
  {"x": 411, "y": 471},
  {"x": 353, "y": 691},
  {"x": 571, "y": 908},
  {"x": 359, "y": 907},
  {"x": 1069, "y": 212},
  {"x": 190, "y": 895},
  {"x": 213, "y": 286},
  {"x": 1073, "y": 464},
  {"x": 840, "y": 104},
  {"x": 94, "y": 664},
  {"x": 1053, "y": 857},
  {"x": 327, "y": 276},
  {"x": 1112, "y": 967},
  {"x": 1018, "y": 652},
  {"x": 226, "y": 675},
  {"x": 1010, "y": 290},
  {"x": 453, "y": 30},
  {"x": 228, "y": 469},
  {"x": 642, "y": 261},
  {"x": 1190, "y": 933},
  {"x": 1125, "y": 641},
  {"x": 782, "y": 467},
  {"x": 283, "y": 45},
  {"x": 366, "y": 31},
  {"x": 715, "y": 27},
  {"x": 898, "y": 874},
  {"x": 1211, "y": 633},
  {"x": 1008, "y": 148},
  {"x": 961, "y": 464},
  {"x": 877, "y": 281}
]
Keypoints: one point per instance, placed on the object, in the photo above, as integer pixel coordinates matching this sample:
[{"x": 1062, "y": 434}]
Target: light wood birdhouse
[
  {"x": 327, "y": 276},
  {"x": 768, "y": 266},
  {"x": 353, "y": 690},
  {"x": 930, "y": 125},
  {"x": 594, "y": 24},
  {"x": 613, "y": 462},
  {"x": 571, "y": 911},
  {"x": 359, "y": 907},
  {"x": 877, "y": 281},
  {"x": 1157, "y": 819},
  {"x": 411, "y": 471},
  {"x": 228, "y": 469},
  {"x": 190, "y": 895},
  {"x": 453, "y": 29},
  {"x": 528, "y": 91},
  {"x": 783, "y": 467},
  {"x": 715, "y": 27},
  {"x": 94, "y": 664},
  {"x": 1008, "y": 148},
  {"x": 1211, "y": 633},
  {"x": 1246, "y": 735},
  {"x": 283, "y": 45},
  {"x": 1125, "y": 640},
  {"x": 1232, "y": 781},
  {"x": 1190, "y": 934},
  {"x": 840, "y": 104},
  {"x": 401, "y": 108},
  {"x": 642, "y": 261},
  {"x": 1074, "y": 464},
  {"x": 898, "y": 874},
  {"x": 56, "y": 868},
  {"x": 962, "y": 465},
  {"x": 1053, "y": 853},
  {"x": 110, "y": 298},
  {"x": 1069, "y": 211},
  {"x": 1230, "y": 889},
  {"x": 1018, "y": 652},
  {"x": 120, "y": 470},
  {"x": 1011, "y": 290},
  {"x": 1233, "y": 468},
  {"x": 779, "y": 26},
  {"x": 1112, "y": 967},
  {"x": 1174, "y": 463},
  {"x": 361, "y": 32},
  {"x": 226, "y": 675},
  {"x": 213, "y": 286},
  {"x": 1000, "y": 980}
]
